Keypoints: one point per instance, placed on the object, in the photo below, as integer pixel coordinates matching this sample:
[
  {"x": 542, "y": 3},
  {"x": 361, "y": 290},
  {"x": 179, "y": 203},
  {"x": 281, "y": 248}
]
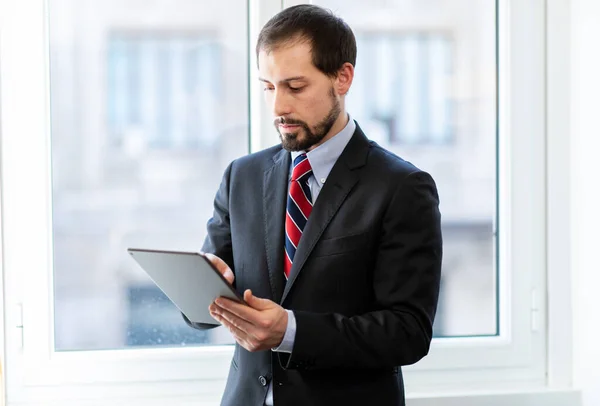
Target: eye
[
  {"x": 267, "y": 89},
  {"x": 296, "y": 89}
]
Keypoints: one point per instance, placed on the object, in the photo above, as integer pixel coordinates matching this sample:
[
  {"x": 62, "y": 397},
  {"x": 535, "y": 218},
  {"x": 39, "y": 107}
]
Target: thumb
[
  {"x": 221, "y": 267},
  {"x": 256, "y": 302}
]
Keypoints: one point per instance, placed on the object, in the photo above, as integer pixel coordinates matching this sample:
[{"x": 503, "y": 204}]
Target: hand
[
  {"x": 259, "y": 326},
  {"x": 221, "y": 267}
]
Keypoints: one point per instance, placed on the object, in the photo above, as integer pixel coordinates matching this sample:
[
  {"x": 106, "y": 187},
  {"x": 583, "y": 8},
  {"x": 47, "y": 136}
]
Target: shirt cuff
[{"x": 287, "y": 344}]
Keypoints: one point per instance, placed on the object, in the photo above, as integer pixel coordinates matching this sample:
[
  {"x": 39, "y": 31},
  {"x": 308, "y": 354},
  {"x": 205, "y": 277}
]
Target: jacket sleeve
[
  {"x": 406, "y": 279},
  {"x": 218, "y": 238}
]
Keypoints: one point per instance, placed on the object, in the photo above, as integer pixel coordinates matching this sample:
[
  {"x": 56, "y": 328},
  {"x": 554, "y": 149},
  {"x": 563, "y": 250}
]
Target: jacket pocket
[{"x": 340, "y": 245}]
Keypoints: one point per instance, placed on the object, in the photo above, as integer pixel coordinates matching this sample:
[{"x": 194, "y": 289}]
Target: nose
[{"x": 281, "y": 103}]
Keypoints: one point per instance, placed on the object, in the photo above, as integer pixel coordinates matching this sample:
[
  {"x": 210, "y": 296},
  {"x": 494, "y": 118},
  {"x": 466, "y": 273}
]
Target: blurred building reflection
[{"x": 150, "y": 103}]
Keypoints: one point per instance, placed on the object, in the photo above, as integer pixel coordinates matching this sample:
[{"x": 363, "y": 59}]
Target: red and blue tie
[{"x": 299, "y": 206}]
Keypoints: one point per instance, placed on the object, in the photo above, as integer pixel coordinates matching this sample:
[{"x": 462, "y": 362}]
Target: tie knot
[{"x": 302, "y": 169}]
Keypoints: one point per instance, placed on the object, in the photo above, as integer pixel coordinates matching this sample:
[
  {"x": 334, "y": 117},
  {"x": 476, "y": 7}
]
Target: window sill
[
  {"x": 546, "y": 397},
  {"x": 567, "y": 397}
]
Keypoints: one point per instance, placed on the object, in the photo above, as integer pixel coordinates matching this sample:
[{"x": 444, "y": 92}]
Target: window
[
  {"x": 402, "y": 89},
  {"x": 83, "y": 178},
  {"x": 148, "y": 106},
  {"x": 425, "y": 88},
  {"x": 163, "y": 89}
]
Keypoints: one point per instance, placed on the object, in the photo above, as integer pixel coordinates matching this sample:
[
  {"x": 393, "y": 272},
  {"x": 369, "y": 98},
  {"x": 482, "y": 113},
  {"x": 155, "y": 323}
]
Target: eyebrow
[{"x": 285, "y": 80}]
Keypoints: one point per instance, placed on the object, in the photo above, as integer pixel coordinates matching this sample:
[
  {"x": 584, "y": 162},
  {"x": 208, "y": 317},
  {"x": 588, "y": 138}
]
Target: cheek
[
  {"x": 314, "y": 107},
  {"x": 268, "y": 97}
]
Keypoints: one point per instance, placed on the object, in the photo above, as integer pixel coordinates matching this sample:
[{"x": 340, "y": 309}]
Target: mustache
[{"x": 289, "y": 121}]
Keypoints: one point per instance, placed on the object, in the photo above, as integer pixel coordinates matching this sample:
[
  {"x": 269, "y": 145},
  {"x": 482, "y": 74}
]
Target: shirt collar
[{"x": 325, "y": 155}]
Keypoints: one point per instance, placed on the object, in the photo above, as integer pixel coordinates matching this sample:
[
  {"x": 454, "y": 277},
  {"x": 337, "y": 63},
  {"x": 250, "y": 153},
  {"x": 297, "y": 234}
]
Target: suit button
[{"x": 262, "y": 380}]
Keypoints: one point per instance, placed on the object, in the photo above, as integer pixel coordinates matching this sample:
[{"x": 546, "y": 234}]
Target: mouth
[{"x": 288, "y": 127}]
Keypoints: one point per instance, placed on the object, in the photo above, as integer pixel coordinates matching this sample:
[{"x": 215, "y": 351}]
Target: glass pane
[
  {"x": 425, "y": 88},
  {"x": 149, "y": 104}
]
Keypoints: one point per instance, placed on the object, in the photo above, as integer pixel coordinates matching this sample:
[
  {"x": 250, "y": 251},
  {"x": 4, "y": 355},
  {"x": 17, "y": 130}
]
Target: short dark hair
[{"x": 331, "y": 39}]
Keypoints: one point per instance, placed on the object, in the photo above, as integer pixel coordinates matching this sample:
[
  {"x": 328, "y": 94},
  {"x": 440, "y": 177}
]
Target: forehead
[{"x": 287, "y": 61}]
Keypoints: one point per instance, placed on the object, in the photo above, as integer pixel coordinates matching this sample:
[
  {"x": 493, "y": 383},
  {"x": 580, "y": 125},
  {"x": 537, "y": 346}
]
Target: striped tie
[{"x": 299, "y": 206}]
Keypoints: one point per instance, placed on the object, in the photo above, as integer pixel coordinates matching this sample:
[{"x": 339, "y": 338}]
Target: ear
[{"x": 344, "y": 78}]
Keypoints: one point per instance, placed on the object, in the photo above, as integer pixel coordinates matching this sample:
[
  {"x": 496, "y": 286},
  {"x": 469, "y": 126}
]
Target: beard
[{"x": 294, "y": 141}]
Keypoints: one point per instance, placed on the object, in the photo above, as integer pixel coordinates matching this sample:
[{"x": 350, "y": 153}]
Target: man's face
[{"x": 302, "y": 98}]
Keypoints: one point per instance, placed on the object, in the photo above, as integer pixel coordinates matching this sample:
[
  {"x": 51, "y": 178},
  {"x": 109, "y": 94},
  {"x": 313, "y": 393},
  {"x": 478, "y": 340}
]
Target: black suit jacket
[{"x": 363, "y": 286}]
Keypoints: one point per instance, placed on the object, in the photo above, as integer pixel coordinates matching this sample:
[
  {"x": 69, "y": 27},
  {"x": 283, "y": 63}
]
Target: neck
[{"x": 338, "y": 126}]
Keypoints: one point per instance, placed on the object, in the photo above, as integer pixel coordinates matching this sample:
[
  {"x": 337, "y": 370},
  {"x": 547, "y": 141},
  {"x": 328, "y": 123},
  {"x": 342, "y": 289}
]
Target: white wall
[{"x": 585, "y": 184}]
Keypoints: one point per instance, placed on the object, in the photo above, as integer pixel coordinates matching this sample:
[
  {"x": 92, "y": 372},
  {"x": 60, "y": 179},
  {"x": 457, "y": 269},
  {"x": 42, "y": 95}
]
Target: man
[{"x": 334, "y": 241}]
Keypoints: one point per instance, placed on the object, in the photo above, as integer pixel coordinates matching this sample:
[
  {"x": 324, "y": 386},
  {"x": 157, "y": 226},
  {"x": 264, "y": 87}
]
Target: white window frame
[{"x": 517, "y": 359}]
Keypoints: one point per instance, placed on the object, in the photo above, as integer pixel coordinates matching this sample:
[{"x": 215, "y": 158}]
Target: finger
[
  {"x": 218, "y": 316},
  {"x": 248, "y": 341},
  {"x": 257, "y": 302},
  {"x": 231, "y": 319},
  {"x": 244, "y": 340},
  {"x": 242, "y": 311},
  {"x": 221, "y": 267},
  {"x": 238, "y": 334}
]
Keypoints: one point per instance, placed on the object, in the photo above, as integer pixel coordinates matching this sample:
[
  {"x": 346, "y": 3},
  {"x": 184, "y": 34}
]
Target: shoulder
[
  {"x": 378, "y": 161},
  {"x": 258, "y": 161},
  {"x": 378, "y": 168},
  {"x": 400, "y": 180},
  {"x": 387, "y": 173},
  {"x": 385, "y": 163}
]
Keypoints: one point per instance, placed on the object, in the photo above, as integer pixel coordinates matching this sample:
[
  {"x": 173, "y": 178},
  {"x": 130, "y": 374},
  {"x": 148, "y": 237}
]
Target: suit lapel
[
  {"x": 339, "y": 183},
  {"x": 274, "y": 202}
]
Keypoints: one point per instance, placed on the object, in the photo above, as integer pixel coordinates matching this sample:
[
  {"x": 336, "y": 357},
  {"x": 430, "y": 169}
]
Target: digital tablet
[{"x": 188, "y": 279}]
